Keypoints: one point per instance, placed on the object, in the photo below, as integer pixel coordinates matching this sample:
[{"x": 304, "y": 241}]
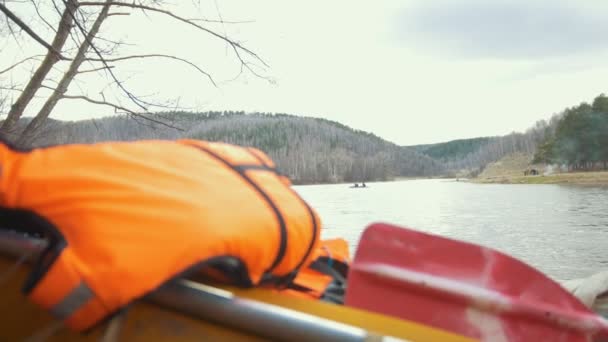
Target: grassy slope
[
  {"x": 512, "y": 165},
  {"x": 510, "y": 170},
  {"x": 579, "y": 178}
]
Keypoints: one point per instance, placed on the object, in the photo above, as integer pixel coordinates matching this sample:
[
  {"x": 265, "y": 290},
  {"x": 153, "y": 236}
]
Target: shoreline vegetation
[
  {"x": 594, "y": 178},
  {"x": 511, "y": 169},
  {"x": 588, "y": 178},
  {"x": 395, "y": 179}
]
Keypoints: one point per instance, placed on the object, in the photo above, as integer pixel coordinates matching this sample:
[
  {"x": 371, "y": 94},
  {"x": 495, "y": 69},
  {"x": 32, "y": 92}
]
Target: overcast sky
[{"x": 412, "y": 72}]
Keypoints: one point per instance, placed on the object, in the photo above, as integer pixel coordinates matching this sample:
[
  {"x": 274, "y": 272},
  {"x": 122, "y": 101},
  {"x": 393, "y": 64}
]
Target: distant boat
[{"x": 357, "y": 186}]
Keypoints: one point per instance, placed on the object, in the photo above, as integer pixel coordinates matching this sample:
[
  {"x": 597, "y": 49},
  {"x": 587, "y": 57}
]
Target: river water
[{"x": 562, "y": 230}]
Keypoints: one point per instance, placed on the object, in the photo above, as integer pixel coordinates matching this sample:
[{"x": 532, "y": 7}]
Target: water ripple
[{"x": 562, "y": 230}]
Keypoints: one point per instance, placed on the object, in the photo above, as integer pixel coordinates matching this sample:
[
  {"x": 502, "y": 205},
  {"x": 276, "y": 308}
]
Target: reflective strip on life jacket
[
  {"x": 74, "y": 300},
  {"x": 123, "y": 218}
]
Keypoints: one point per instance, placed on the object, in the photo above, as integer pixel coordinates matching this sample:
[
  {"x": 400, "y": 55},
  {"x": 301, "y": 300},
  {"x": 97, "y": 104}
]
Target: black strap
[
  {"x": 334, "y": 292},
  {"x": 265, "y": 196},
  {"x": 326, "y": 269},
  {"x": 279, "y": 282},
  {"x": 30, "y": 223}
]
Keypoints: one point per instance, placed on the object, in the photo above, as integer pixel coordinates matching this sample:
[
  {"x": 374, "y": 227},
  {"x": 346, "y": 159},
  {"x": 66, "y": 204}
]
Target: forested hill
[
  {"x": 313, "y": 150},
  {"x": 309, "y": 150},
  {"x": 468, "y": 157},
  {"x": 453, "y": 149}
]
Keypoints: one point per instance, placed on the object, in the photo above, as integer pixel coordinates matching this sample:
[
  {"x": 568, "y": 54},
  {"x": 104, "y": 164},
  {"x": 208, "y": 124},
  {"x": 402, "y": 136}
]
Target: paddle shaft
[
  {"x": 255, "y": 317},
  {"x": 222, "y": 307}
]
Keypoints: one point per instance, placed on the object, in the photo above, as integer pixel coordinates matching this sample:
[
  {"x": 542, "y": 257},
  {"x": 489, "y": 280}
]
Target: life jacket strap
[
  {"x": 325, "y": 268},
  {"x": 279, "y": 282}
]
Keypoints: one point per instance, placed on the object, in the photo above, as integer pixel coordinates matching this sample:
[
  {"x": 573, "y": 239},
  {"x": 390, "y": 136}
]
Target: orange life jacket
[
  {"x": 123, "y": 218},
  {"x": 325, "y": 277}
]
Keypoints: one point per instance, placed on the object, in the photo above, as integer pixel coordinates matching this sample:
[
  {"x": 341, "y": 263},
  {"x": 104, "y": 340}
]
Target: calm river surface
[{"x": 561, "y": 230}]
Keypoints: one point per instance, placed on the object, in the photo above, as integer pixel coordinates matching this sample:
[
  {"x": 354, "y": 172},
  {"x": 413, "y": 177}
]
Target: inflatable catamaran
[{"x": 189, "y": 240}]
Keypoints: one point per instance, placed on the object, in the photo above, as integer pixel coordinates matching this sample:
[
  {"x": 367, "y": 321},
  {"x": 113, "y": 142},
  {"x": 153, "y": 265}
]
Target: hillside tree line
[
  {"x": 580, "y": 140},
  {"x": 308, "y": 150},
  {"x": 470, "y": 156}
]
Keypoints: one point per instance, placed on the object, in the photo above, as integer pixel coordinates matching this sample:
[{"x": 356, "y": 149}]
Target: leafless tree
[
  {"x": 76, "y": 42},
  {"x": 2, "y": 104}
]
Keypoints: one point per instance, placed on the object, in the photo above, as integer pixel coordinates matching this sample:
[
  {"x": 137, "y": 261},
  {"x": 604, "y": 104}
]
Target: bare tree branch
[
  {"x": 118, "y": 43},
  {"x": 119, "y": 107},
  {"x": 73, "y": 35},
  {"x": 42, "y": 17},
  {"x": 118, "y": 13},
  {"x": 63, "y": 31},
  {"x": 97, "y": 69},
  {"x": 221, "y": 21},
  {"x": 11, "y": 88},
  {"x": 19, "y": 63},
  {"x": 89, "y": 42},
  {"x": 138, "y": 101},
  {"x": 219, "y": 14},
  {"x": 89, "y": 45},
  {"x": 235, "y": 46},
  {"x": 16, "y": 88},
  {"x": 29, "y": 132},
  {"x": 2, "y": 102},
  {"x": 112, "y": 45},
  {"x": 47, "y": 87},
  {"x": 109, "y": 60},
  {"x": 28, "y": 30},
  {"x": 12, "y": 32}
]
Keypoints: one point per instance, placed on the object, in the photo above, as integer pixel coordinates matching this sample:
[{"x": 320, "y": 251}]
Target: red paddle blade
[{"x": 464, "y": 288}]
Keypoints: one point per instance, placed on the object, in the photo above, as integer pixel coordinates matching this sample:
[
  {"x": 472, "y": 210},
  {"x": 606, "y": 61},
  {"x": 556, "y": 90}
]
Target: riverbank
[
  {"x": 579, "y": 178},
  {"x": 392, "y": 179},
  {"x": 511, "y": 168}
]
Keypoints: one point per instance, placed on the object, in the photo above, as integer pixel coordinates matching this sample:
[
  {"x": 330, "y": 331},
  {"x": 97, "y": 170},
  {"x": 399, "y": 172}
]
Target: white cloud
[{"x": 507, "y": 29}]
